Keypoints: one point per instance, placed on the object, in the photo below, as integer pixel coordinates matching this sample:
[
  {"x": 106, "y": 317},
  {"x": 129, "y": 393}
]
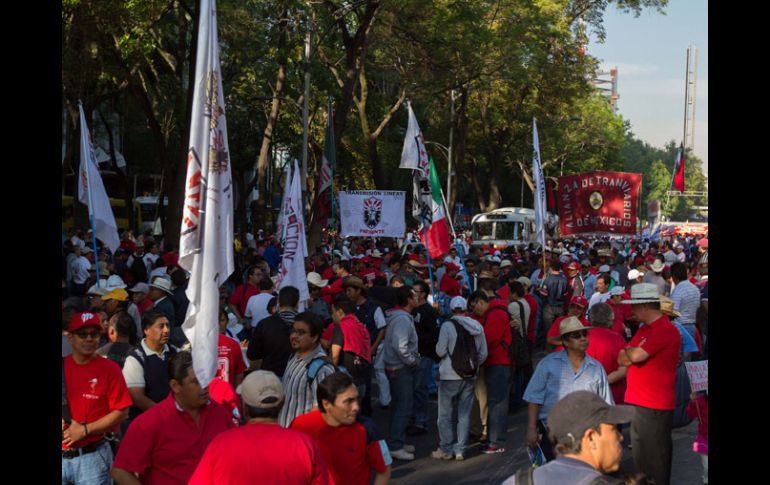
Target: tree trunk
[{"x": 267, "y": 137}]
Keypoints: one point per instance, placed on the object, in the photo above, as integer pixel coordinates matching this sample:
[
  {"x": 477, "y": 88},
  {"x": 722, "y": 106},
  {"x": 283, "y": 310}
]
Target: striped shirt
[
  {"x": 686, "y": 298},
  {"x": 300, "y": 395},
  {"x": 554, "y": 378}
]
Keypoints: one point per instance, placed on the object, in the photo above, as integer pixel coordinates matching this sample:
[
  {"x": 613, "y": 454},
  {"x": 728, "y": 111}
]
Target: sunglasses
[
  {"x": 85, "y": 335},
  {"x": 576, "y": 335}
]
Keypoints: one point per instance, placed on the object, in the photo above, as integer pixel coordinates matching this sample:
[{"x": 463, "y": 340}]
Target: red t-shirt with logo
[
  {"x": 554, "y": 330},
  {"x": 532, "y": 316},
  {"x": 94, "y": 390},
  {"x": 229, "y": 359},
  {"x": 620, "y": 313},
  {"x": 345, "y": 449},
  {"x": 241, "y": 296},
  {"x": 604, "y": 345},
  {"x": 651, "y": 383}
]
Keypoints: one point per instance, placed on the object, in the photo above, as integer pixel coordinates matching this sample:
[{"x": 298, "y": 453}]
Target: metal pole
[
  {"x": 522, "y": 187},
  {"x": 303, "y": 172},
  {"x": 694, "y": 86},
  {"x": 449, "y": 157},
  {"x": 686, "y": 96}
]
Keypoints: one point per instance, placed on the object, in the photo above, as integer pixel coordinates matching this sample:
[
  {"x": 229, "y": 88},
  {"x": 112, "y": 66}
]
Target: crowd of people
[{"x": 587, "y": 334}]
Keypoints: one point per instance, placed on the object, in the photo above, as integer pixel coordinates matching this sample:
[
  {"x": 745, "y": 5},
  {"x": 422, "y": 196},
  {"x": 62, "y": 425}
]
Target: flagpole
[
  {"x": 331, "y": 123},
  {"x": 457, "y": 245},
  {"x": 673, "y": 174},
  {"x": 87, "y": 156}
]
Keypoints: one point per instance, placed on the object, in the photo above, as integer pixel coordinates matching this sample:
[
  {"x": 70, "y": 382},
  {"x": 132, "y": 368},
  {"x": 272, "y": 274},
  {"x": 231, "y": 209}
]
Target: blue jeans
[
  {"x": 454, "y": 395},
  {"x": 498, "y": 389},
  {"x": 90, "y": 469},
  {"x": 402, "y": 393},
  {"x": 421, "y": 379}
]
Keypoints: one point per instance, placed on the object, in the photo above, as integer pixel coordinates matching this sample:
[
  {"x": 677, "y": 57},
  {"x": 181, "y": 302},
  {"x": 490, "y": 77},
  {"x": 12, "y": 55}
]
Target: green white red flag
[{"x": 438, "y": 242}]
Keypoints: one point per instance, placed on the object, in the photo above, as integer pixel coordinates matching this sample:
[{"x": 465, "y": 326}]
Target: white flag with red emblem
[
  {"x": 415, "y": 157},
  {"x": 292, "y": 270},
  {"x": 206, "y": 237}
]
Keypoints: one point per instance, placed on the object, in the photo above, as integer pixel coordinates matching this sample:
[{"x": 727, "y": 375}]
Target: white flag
[
  {"x": 414, "y": 156},
  {"x": 537, "y": 174},
  {"x": 91, "y": 190},
  {"x": 292, "y": 270},
  {"x": 280, "y": 225},
  {"x": 206, "y": 239}
]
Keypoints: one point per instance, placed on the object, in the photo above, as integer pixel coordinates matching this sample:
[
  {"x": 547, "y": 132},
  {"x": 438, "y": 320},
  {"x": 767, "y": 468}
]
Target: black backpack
[{"x": 464, "y": 357}]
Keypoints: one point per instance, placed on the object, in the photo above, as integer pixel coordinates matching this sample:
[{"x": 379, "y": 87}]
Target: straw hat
[
  {"x": 643, "y": 293},
  {"x": 667, "y": 307}
]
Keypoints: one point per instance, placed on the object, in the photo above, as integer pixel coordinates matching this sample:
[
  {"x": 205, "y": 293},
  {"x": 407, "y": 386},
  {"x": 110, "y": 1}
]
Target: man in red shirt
[
  {"x": 262, "y": 451},
  {"x": 97, "y": 401},
  {"x": 230, "y": 359},
  {"x": 350, "y": 448},
  {"x": 449, "y": 283},
  {"x": 164, "y": 444},
  {"x": 577, "y": 308},
  {"x": 604, "y": 344},
  {"x": 241, "y": 294},
  {"x": 651, "y": 358}
]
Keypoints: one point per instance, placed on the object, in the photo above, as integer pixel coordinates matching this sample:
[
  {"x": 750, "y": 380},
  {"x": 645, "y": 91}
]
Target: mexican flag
[{"x": 438, "y": 233}]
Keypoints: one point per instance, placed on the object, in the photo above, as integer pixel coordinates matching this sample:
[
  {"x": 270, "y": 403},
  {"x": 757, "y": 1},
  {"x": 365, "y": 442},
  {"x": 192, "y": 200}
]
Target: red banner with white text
[{"x": 599, "y": 202}]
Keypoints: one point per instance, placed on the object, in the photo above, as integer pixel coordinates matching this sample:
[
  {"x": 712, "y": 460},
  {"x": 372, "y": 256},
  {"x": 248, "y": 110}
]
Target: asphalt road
[{"x": 480, "y": 469}]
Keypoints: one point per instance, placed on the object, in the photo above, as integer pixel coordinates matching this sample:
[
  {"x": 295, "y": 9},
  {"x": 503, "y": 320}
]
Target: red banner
[{"x": 599, "y": 202}]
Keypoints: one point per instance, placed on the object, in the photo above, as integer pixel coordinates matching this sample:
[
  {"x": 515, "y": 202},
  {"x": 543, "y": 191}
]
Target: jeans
[
  {"x": 479, "y": 420},
  {"x": 454, "y": 395},
  {"x": 498, "y": 379},
  {"x": 421, "y": 379},
  {"x": 90, "y": 469},
  {"x": 402, "y": 388},
  {"x": 382, "y": 378}
]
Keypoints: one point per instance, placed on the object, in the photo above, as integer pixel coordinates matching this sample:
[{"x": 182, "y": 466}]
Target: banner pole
[
  {"x": 427, "y": 254},
  {"x": 457, "y": 245}
]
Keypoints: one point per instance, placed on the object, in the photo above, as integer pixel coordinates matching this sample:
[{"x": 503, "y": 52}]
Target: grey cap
[{"x": 581, "y": 410}]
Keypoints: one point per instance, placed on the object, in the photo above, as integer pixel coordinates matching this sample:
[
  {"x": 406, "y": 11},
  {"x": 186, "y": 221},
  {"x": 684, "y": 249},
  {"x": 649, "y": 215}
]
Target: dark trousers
[
  {"x": 651, "y": 443},
  {"x": 545, "y": 443}
]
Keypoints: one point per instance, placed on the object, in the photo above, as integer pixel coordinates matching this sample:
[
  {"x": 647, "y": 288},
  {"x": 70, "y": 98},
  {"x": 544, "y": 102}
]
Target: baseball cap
[
  {"x": 579, "y": 300},
  {"x": 261, "y": 389},
  {"x": 83, "y": 319},
  {"x": 118, "y": 294},
  {"x": 617, "y": 290},
  {"x": 458, "y": 303},
  {"x": 581, "y": 410},
  {"x": 634, "y": 274}
]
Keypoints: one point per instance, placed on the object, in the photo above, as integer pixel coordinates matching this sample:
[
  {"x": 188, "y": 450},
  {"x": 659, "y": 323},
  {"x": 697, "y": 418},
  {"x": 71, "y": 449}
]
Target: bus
[
  {"x": 508, "y": 226},
  {"x": 116, "y": 191}
]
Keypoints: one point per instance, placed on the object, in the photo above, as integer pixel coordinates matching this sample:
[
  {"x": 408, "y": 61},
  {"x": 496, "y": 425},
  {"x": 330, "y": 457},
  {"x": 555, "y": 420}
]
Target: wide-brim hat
[
  {"x": 416, "y": 264},
  {"x": 506, "y": 263},
  {"x": 115, "y": 281},
  {"x": 605, "y": 253},
  {"x": 643, "y": 293},
  {"x": 315, "y": 279},
  {"x": 162, "y": 284},
  {"x": 667, "y": 307},
  {"x": 354, "y": 282},
  {"x": 657, "y": 266},
  {"x": 486, "y": 275},
  {"x": 140, "y": 288},
  {"x": 118, "y": 294},
  {"x": 634, "y": 274},
  {"x": 569, "y": 325}
]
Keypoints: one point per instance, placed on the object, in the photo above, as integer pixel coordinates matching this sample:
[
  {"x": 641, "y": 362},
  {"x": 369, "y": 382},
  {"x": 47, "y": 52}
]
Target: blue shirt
[
  {"x": 589, "y": 285},
  {"x": 560, "y": 471},
  {"x": 553, "y": 379}
]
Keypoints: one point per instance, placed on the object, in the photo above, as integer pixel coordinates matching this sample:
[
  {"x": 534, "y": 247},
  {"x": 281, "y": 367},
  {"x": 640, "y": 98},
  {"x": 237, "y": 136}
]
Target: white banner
[
  {"x": 539, "y": 182},
  {"x": 373, "y": 213},
  {"x": 292, "y": 270},
  {"x": 698, "y": 372},
  {"x": 206, "y": 239}
]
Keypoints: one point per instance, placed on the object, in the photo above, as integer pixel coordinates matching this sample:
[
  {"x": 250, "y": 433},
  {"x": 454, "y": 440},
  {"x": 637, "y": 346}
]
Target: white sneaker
[
  {"x": 409, "y": 448},
  {"x": 402, "y": 454},
  {"x": 459, "y": 457}
]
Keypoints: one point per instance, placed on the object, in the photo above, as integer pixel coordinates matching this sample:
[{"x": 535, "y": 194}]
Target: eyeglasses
[
  {"x": 299, "y": 332},
  {"x": 577, "y": 334},
  {"x": 85, "y": 335}
]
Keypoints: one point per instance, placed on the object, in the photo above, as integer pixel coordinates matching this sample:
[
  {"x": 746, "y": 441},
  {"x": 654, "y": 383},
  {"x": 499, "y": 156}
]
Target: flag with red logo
[
  {"x": 206, "y": 238},
  {"x": 599, "y": 202},
  {"x": 414, "y": 156},
  {"x": 679, "y": 170}
]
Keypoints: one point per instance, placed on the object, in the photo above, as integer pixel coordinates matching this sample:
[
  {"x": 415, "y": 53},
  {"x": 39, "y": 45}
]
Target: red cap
[
  {"x": 703, "y": 243},
  {"x": 84, "y": 319},
  {"x": 579, "y": 300},
  {"x": 452, "y": 266},
  {"x": 573, "y": 265},
  {"x": 649, "y": 259}
]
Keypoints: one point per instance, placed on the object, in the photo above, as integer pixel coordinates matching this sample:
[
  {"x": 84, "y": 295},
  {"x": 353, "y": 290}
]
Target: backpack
[
  {"x": 518, "y": 351},
  {"x": 315, "y": 365},
  {"x": 465, "y": 356}
]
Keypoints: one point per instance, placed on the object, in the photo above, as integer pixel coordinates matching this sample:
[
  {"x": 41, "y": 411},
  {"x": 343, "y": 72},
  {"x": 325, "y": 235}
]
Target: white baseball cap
[{"x": 458, "y": 303}]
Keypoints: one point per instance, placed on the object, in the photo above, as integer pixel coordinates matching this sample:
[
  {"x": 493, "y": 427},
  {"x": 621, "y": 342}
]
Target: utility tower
[{"x": 611, "y": 92}]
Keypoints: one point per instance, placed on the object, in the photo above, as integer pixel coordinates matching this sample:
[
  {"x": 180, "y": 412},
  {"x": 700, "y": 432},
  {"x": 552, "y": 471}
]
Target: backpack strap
[
  {"x": 525, "y": 475},
  {"x": 605, "y": 480},
  {"x": 315, "y": 366}
]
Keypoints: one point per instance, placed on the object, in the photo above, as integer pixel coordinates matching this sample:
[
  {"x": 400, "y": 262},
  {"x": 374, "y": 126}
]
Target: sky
[{"x": 650, "y": 54}]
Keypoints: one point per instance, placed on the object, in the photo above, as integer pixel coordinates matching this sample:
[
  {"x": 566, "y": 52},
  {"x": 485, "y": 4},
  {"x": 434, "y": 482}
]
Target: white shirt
[
  {"x": 162, "y": 271},
  {"x": 133, "y": 372},
  {"x": 79, "y": 269},
  {"x": 256, "y": 308},
  {"x": 597, "y": 298},
  {"x": 76, "y": 241},
  {"x": 149, "y": 261}
]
